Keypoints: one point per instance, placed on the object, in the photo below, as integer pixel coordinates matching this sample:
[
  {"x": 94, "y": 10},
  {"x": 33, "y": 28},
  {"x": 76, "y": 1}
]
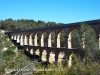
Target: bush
[
  {"x": 9, "y": 54},
  {"x": 12, "y": 48}
]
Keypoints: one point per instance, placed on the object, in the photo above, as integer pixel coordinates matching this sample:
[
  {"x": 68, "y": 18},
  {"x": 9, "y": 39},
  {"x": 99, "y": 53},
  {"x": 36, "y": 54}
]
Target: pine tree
[{"x": 85, "y": 36}]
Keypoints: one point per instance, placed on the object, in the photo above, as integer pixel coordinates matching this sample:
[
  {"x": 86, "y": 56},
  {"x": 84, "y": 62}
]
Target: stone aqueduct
[{"x": 28, "y": 40}]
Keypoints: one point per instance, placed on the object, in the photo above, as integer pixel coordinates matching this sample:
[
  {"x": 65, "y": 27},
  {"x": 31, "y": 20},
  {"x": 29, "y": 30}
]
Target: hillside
[{"x": 10, "y": 56}]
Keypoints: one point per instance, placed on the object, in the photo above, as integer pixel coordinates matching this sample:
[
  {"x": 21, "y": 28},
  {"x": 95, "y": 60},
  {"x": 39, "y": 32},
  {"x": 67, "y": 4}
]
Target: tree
[
  {"x": 50, "y": 24},
  {"x": 85, "y": 35}
]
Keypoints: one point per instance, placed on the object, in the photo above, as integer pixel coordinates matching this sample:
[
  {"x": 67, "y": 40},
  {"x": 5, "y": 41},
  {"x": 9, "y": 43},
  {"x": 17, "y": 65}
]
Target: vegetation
[
  {"x": 10, "y": 58},
  {"x": 15, "y": 25},
  {"x": 84, "y": 35},
  {"x": 84, "y": 38},
  {"x": 78, "y": 68}
]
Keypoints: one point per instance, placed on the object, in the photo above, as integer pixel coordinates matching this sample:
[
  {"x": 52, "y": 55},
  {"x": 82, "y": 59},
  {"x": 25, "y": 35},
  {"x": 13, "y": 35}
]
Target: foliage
[
  {"x": 85, "y": 35},
  {"x": 1, "y": 60},
  {"x": 76, "y": 39},
  {"x": 12, "y": 48},
  {"x": 12, "y": 25},
  {"x": 78, "y": 68},
  {"x": 11, "y": 59},
  {"x": 9, "y": 54},
  {"x": 51, "y": 69},
  {"x": 21, "y": 59},
  {"x": 20, "y": 24}
]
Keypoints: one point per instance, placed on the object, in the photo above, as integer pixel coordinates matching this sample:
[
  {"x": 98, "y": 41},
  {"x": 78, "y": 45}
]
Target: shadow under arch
[{"x": 33, "y": 55}]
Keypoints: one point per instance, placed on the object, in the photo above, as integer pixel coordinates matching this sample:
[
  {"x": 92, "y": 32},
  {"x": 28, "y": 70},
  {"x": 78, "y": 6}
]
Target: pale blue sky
[{"x": 64, "y": 11}]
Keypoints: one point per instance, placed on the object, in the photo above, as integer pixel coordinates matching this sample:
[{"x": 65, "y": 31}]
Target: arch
[
  {"x": 37, "y": 52},
  {"x": 31, "y": 39},
  {"x": 18, "y": 38},
  {"x": 57, "y": 38},
  {"x": 70, "y": 60},
  {"x": 27, "y": 49},
  {"x": 61, "y": 56},
  {"x": 15, "y": 36},
  {"x": 42, "y": 37},
  {"x": 44, "y": 55},
  {"x": 67, "y": 36},
  {"x": 38, "y": 38},
  {"x": 69, "y": 41},
  {"x": 35, "y": 39},
  {"x": 45, "y": 39},
  {"x": 26, "y": 39},
  {"x": 12, "y": 36},
  {"x": 21, "y": 40},
  {"x": 51, "y": 37},
  {"x": 31, "y": 51},
  {"x": 48, "y": 39},
  {"x": 52, "y": 57},
  {"x": 62, "y": 38}
]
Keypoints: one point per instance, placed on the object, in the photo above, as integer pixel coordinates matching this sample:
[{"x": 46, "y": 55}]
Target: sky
[{"x": 59, "y": 11}]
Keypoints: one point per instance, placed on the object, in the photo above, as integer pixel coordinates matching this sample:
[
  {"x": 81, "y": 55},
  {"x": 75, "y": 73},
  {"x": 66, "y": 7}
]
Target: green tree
[{"x": 85, "y": 35}]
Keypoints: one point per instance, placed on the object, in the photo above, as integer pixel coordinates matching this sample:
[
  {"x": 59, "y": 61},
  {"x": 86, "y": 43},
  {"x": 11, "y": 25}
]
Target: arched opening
[
  {"x": 35, "y": 39},
  {"x": 34, "y": 55},
  {"x": 18, "y": 36},
  {"x": 75, "y": 40},
  {"x": 12, "y": 37},
  {"x": 42, "y": 39},
  {"x": 45, "y": 39},
  {"x": 44, "y": 56},
  {"x": 48, "y": 40},
  {"x": 52, "y": 34},
  {"x": 63, "y": 39},
  {"x": 25, "y": 39},
  {"x": 38, "y": 39},
  {"x": 69, "y": 41},
  {"x": 31, "y": 51},
  {"x": 15, "y": 37},
  {"x": 70, "y": 60},
  {"x": 21, "y": 40},
  {"x": 52, "y": 57},
  {"x": 27, "y": 49},
  {"x": 61, "y": 57},
  {"x": 37, "y": 52},
  {"x": 31, "y": 40}
]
